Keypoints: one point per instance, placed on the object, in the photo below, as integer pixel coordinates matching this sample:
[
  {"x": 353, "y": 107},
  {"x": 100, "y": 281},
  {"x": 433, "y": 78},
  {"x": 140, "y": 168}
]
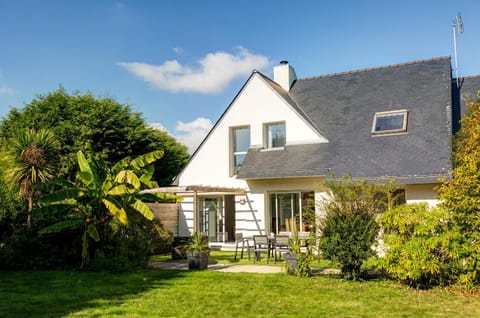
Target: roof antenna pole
[{"x": 457, "y": 29}]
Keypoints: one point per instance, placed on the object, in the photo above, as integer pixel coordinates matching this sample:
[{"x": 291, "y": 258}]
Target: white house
[{"x": 262, "y": 163}]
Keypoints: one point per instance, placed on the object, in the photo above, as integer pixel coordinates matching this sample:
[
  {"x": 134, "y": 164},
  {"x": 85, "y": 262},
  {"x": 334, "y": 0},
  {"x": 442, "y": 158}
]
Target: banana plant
[{"x": 101, "y": 195}]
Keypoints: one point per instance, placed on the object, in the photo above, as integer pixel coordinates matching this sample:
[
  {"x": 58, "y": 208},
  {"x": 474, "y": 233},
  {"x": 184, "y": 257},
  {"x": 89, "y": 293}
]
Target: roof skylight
[{"x": 391, "y": 122}]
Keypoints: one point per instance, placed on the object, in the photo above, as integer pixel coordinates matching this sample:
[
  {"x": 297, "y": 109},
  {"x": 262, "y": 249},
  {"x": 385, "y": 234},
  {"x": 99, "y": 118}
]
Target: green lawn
[
  {"x": 227, "y": 258},
  {"x": 167, "y": 293}
]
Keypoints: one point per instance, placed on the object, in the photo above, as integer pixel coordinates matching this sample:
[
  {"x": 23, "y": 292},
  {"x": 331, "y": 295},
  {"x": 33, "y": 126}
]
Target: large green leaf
[
  {"x": 127, "y": 176},
  {"x": 122, "y": 164},
  {"x": 121, "y": 189},
  {"x": 83, "y": 163},
  {"x": 86, "y": 174},
  {"x": 53, "y": 209},
  {"x": 51, "y": 186},
  {"x": 146, "y": 159},
  {"x": 93, "y": 233},
  {"x": 143, "y": 209},
  {"x": 147, "y": 175},
  {"x": 62, "y": 226},
  {"x": 116, "y": 210},
  {"x": 86, "y": 177},
  {"x": 62, "y": 195}
]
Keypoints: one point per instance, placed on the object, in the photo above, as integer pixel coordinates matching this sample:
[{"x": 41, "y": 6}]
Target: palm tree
[
  {"x": 102, "y": 197},
  {"x": 30, "y": 157}
]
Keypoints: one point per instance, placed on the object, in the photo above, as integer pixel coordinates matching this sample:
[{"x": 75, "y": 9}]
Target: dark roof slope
[
  {"x": 342, "y": 106},
  {"x": 469, "y": 88},
  {"x": 463, "y": 91}
]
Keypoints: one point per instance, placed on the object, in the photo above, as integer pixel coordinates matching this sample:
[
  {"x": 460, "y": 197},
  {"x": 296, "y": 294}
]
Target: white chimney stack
[{"x": 284, "y": 75}]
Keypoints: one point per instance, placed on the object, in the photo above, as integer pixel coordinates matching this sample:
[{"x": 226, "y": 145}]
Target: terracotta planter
[{"x": 197, "y": 260}]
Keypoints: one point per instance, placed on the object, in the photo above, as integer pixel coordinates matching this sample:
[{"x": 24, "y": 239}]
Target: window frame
[
  {"x": 233, "y": 153},
  {"x": 402, "y": 130},
  {"x": 299, "y": 205},
  {"x": 266, "y": 134}
]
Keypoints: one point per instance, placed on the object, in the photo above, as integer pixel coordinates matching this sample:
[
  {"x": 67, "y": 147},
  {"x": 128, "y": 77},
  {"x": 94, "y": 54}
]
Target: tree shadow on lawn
[{"x": 57, "y": 293}]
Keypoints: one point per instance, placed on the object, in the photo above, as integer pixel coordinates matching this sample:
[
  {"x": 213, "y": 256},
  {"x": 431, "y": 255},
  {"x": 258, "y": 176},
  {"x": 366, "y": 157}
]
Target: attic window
[
  {"x": 390, "y": 122},
  {"x": 275, "y": 135}
]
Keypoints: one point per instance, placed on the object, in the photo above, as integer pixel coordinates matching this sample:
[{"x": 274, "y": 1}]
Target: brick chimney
[{"x": 284, "y": 75}]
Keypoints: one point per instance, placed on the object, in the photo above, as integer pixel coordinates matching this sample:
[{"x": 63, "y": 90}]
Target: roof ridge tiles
[{"x": 363, "y": 70}]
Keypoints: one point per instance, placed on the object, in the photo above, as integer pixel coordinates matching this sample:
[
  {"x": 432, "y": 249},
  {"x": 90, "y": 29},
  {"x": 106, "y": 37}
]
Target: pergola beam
[{"x": 192, "y": 189}]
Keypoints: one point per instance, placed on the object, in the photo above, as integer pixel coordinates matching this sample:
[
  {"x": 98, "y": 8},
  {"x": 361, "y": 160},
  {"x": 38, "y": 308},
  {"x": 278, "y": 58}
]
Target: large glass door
[
  {"x": 290, "y": 211},
  {"x": 212, "y": 218}
]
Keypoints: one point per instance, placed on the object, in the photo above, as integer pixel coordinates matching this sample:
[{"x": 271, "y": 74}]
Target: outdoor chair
[
  {"x": 281, "y": 244},
  {"x": 261, "y": 244},
  {"x": 240, "y": 240}
]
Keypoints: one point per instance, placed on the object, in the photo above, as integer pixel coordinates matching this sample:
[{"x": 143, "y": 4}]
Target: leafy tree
[
  {"x": 30, "y": 159},
  {"x": 108, "y": 127},
  {"x": 11, "y": 206},
  {"x": 420, "y": 247},
  {"x": 348, "y": 226},
  {"x": 103, "y": 198},
  {"x": 461, "y": 194}
]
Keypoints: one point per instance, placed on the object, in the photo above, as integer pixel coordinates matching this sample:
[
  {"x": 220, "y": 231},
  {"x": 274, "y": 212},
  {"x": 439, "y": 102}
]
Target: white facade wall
[{"x": 256, "y": 105}]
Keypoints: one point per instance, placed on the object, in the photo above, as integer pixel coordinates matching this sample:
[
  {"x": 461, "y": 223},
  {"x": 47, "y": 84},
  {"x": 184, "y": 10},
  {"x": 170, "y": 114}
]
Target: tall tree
[
  {"x": 461, "y": 194},
  {"x": 31, "y": 159},
  {"x": 110, "y": 128}
]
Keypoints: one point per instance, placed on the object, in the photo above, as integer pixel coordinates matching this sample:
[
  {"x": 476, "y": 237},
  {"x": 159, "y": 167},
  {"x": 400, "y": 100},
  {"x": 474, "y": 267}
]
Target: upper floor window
[
  {"x": 390, "y": 122},
  {"x": 241, "y": 143},
  {"x": 275, "y": 135}
]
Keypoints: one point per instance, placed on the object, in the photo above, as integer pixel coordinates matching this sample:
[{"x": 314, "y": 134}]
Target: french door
[
  {"x": 212, "y": 217},
  {"x": 290, "y": 211}
]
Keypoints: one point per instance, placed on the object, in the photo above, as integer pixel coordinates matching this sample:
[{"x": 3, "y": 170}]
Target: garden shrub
[
  {"x": 420, "y": 249},
  {"x": 348, "y": 226},
  {"x": 460, "y": 194},
  {"x": 128, "y": 247}
]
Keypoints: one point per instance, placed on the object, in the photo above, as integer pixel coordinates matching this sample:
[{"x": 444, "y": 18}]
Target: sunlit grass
[
  {"x": 170, "y": 293},
  {"x": 227, "y": 258}
]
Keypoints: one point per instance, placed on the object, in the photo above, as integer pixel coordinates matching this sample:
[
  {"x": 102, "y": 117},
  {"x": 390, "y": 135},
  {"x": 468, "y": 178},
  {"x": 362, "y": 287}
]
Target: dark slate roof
[
  {"x": 463, "y": 91},
  {"x": 342, "y": 107},
  {"x": 469, "y": 88}
]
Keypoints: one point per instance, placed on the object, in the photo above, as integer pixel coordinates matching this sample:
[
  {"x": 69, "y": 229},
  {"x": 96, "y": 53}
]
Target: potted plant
[
  {"x": 197, "y": 251},
  {"x": 296, "y": 261}
]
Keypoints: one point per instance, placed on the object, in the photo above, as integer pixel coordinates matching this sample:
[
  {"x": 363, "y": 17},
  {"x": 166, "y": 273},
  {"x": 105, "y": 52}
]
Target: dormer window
[
  {"x": 391, "y": 122},
  {"x": 275, "y": 135}
]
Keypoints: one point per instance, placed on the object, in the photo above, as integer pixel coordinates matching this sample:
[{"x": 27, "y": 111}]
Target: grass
[
  {"x": 227, "y": 258},
  {"x": 169, "y": 293}
]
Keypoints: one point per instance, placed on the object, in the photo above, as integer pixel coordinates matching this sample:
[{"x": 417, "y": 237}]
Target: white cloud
[
  {"x": 177, "y": 50},
  {"x": 5, "y": 90},
  {"x": 214, "y": 72},
  {"x": 158, "y": 126},
  {"x": 193, "y": 133}
]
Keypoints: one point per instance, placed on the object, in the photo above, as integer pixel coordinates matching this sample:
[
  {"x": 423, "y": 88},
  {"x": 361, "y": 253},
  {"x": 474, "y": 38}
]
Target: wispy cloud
[
  {"x": 213, "y": 73},
  {"x": 191, "y": 134},
  {"x": 5, "y": 90},
  {"x": 158, "y": 126}
]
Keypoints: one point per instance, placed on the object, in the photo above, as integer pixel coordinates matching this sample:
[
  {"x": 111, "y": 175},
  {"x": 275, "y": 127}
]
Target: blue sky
[{"x": 180, "y": 63}]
